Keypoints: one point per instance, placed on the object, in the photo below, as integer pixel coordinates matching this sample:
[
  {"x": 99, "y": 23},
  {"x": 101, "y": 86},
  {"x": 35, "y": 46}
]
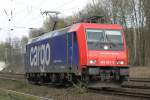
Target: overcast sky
[{"x": 26, "y": 14}]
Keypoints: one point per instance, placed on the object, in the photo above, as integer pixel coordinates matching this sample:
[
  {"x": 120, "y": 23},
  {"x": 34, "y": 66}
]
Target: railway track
[
  {"x": 138, "y": 89},
  {"x": 12, "y": 76},
  {"x": 142, "y": 83},
  {"x": 139, "y": 79},
  {"x": 134, "y": 87},
  {"x": 121, "y": 91}
]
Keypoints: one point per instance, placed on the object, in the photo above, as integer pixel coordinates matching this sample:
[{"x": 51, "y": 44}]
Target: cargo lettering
[{"x": 40, "y": 55}]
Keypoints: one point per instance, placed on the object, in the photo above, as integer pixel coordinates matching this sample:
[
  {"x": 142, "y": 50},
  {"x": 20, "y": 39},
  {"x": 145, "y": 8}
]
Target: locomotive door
[
  {"x": 72, "y": 51},
  {"x": 69, "y": 50}
]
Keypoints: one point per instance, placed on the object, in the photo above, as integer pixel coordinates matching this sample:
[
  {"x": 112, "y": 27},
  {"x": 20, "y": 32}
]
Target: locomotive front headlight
[
  {"x": 120, "y": 62},
  {"x": 92, "y": 61}
]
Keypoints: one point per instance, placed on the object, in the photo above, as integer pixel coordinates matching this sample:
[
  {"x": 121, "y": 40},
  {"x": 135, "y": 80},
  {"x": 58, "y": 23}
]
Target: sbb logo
[{"x": 40, "y": 55}]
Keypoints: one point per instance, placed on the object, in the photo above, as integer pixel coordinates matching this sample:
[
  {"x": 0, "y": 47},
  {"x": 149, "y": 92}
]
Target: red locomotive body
[{"x": 103, "y": 50}]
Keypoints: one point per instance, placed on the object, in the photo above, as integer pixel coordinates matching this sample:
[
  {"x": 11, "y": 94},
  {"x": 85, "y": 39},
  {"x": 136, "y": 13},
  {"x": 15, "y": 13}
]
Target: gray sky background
[{"x": 26, "y": 14}]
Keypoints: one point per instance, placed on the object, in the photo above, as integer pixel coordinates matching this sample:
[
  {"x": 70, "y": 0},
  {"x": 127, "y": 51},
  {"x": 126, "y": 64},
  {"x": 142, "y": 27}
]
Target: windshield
[
  {"x": 104, "y": 39},
  {"x": 95, "y": 36}
]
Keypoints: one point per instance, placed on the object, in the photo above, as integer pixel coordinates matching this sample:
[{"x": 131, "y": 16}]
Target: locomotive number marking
[{"x": 107, "y": 62}]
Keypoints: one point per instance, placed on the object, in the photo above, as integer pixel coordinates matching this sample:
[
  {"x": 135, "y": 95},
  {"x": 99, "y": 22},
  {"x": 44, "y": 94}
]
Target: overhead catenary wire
[{"x": 36, "y": 9}]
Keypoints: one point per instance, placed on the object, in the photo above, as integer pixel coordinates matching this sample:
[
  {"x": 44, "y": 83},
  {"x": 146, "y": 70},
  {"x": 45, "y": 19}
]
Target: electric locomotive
[{"x": 85, "y": 51}]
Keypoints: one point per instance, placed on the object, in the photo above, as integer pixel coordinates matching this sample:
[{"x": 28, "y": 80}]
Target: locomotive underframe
[
  {"x": 107, "y": 73},
  {"x": 90, "y": 73}
]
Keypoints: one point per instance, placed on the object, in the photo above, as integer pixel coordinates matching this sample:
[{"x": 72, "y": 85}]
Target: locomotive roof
[
  {"x": 73, "y": 28},
  {"x": 50, "y": 34}
]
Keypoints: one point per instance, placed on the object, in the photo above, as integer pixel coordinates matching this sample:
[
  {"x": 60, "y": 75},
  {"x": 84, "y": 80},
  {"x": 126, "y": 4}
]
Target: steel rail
[
  {"x": 120, "y": 91},
  {"x": 140, "y": 79},
  {"x": 10, "y": 76}
]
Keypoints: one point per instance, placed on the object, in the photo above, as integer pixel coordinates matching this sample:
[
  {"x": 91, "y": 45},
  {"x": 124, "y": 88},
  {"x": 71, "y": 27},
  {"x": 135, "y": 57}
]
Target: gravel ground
[{"x": 139, "y": 71}]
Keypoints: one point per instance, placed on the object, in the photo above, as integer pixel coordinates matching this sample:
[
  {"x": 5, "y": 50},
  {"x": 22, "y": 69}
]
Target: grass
[
  {"x": 25, "y": 87},
  {"x": 4, "y": 95}
]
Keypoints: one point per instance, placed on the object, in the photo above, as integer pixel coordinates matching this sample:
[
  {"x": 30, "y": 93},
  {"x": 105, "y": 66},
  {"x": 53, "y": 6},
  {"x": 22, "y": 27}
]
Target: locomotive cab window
[
  {"x": 95, "y": 35},
  {"x": 114, "y": 36},
  {"x": 98, "y": 39}
]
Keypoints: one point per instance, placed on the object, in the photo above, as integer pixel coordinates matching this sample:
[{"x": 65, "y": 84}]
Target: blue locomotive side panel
[
  {"x": 59, "y": 50},
  {"x": 52, "y": 55},
  {"x": 38, "y": 56}
]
